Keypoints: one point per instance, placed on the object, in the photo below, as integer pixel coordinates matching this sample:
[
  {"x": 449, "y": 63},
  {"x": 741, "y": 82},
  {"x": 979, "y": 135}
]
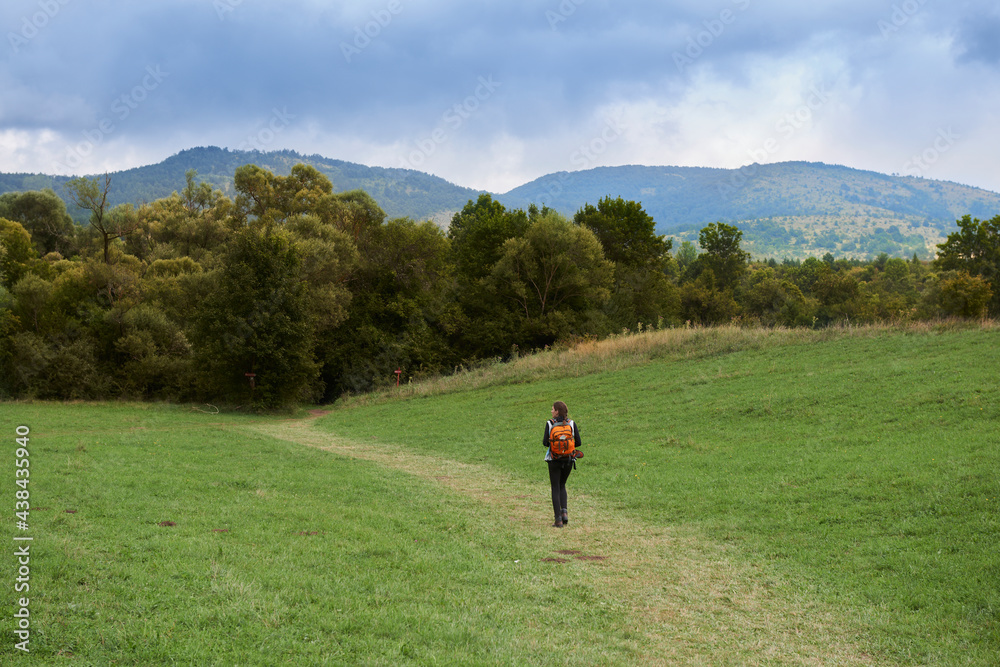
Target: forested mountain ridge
[
  {"x": 786, "y": 210},
  {"x": 400, "y": 192},
  {"x": 793, "y": 209}
]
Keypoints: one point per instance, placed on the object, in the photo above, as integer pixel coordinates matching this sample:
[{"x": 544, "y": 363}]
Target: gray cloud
[
  {"x": 700, "y": 83},
  {"x": 979, "y": 38}
]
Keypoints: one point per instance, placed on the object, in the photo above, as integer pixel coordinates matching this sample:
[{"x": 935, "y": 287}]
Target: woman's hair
[{"x": 561, "y": 410}]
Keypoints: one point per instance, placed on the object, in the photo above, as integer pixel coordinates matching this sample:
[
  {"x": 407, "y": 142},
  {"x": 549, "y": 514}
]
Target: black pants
[{"x": 559, "y": 470}]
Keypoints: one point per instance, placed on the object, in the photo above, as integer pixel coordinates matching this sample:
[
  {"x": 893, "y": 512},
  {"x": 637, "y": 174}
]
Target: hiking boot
[
  {"x": 565, "y": 517},
  {"x": 558, "y": 523}
]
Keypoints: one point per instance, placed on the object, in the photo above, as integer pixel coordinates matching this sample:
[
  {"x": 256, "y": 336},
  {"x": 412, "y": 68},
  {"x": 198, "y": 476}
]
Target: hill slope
[
  {"x": 841, "y": 458},
  {"x": 748, "y": 497},
  {"x": 793, "y": 209},
  {"x": 789, "y": 209}
]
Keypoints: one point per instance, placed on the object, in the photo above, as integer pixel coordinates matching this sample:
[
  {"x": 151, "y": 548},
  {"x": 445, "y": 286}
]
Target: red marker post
[{"x": 398, "y": 372}]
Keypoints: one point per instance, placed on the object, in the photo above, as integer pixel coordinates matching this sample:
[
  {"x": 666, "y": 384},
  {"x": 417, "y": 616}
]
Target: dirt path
[{"x": 694, "y": 603}]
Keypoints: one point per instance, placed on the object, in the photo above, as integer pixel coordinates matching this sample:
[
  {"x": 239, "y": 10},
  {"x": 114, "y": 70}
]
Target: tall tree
[
  {"x": 478, "y": 233},
  {"x": 257, "y": 321},
  {"x": 722, "y": 253},
  {"x": 401, "y": 315},
  {"x": 626, "y": 232},
  {"x": 975, "y": 249},
  {"x": 17, "y": 254},
  {"x": 44, "y": 215},
  {"x": 269, "y": 198},
  {"x": 92, "y": 195},
  {"x": 641, "y": 291},
  {"x": 556, "y": 276},
  {"x": 355, "y": 213},
  {"x": 962, "y": 295}
]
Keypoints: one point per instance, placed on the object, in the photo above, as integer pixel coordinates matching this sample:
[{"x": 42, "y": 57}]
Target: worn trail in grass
[{"x": 689, "y": 600}]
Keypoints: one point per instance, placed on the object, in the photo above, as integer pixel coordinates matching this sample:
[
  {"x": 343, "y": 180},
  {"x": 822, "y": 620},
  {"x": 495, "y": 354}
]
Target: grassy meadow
[{"x": 748, "y": 497}]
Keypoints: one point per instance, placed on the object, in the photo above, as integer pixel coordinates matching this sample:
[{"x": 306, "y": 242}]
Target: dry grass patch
[{"x": 630, "y": 349}]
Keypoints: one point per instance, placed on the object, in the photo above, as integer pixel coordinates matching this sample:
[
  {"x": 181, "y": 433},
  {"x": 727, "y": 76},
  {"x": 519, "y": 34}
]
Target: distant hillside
[
  {"x": 786, "y": 210},
  {"x": 400, "y": 192},
  {"x": 789, "y": 209}
]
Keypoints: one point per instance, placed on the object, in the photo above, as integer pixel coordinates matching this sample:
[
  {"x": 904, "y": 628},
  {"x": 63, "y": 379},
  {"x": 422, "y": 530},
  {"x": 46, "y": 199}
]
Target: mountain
[
  {"x": 785, "y": 210},
  {"x": 400, "y": 192},
  {"x": 788, "y": 209}
]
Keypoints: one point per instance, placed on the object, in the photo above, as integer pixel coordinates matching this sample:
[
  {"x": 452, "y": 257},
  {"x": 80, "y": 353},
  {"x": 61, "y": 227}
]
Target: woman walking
[{"x": 561, "y": 440}]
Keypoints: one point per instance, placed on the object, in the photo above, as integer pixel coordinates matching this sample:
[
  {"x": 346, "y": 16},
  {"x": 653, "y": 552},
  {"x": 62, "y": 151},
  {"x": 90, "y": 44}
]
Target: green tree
[
  {"x": 44, "y": 215},
  {"x": 641, "y": 291},
  {"x": 707, "y": 295},
  {"x": 45, "y": 370},
  {"x": 8, "y": 326},
  {"x": 626, "y": 232},
  {"x": 807, "y": 273},
  {"x": 267, "y": 198},
  {"x": 198, "y": 197},
  {"x": 329, "y": 257},
  {"x": 17, "y": 254},
  {"x": 774, "y": 301},
  {"x": 257, "y": 321},
  {"x": 402, "y": 313},
  {"x": 975, "y": 249},
  {"x": 33, "y": 294},
  {"x": 478, "y": 233},
  {"x": 963, "y": 295},
  {"x": 92, "y": 195},
  {"x": 703, "y": 302},
  {"x": 355, "y": 213},
  {"x": 893, "y": 292},
  {"x": 722, "y": 253},
  {"x": 176, "y": 228},
  {"x": 556, "y": 277},
  {"x": 841, "y": 298},
  {"x": 152, "y": 356},
  {"x": 687, "y": 256}
]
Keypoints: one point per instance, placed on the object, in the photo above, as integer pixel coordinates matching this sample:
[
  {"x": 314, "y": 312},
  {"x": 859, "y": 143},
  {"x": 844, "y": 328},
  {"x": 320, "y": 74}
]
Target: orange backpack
[{"x": 561, "y": 439}]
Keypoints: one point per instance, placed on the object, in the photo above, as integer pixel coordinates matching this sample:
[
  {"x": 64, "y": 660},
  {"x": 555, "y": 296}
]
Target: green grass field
[{"x": 748, "y": 497}]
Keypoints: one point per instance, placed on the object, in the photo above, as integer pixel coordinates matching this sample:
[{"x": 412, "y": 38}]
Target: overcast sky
[{"x": 491, "y": 94}]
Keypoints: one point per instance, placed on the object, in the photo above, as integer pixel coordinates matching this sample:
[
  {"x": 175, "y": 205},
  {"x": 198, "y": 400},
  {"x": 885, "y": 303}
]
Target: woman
[{"x": 561, "y": 439}]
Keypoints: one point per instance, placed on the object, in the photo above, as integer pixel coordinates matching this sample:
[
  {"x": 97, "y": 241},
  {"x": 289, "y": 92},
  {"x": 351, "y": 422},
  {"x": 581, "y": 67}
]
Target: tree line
[{"x": 290, "y": 292}]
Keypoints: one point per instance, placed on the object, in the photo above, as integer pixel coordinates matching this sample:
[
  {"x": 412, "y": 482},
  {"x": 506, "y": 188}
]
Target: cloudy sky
[{"x": 491, "y": 94}]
